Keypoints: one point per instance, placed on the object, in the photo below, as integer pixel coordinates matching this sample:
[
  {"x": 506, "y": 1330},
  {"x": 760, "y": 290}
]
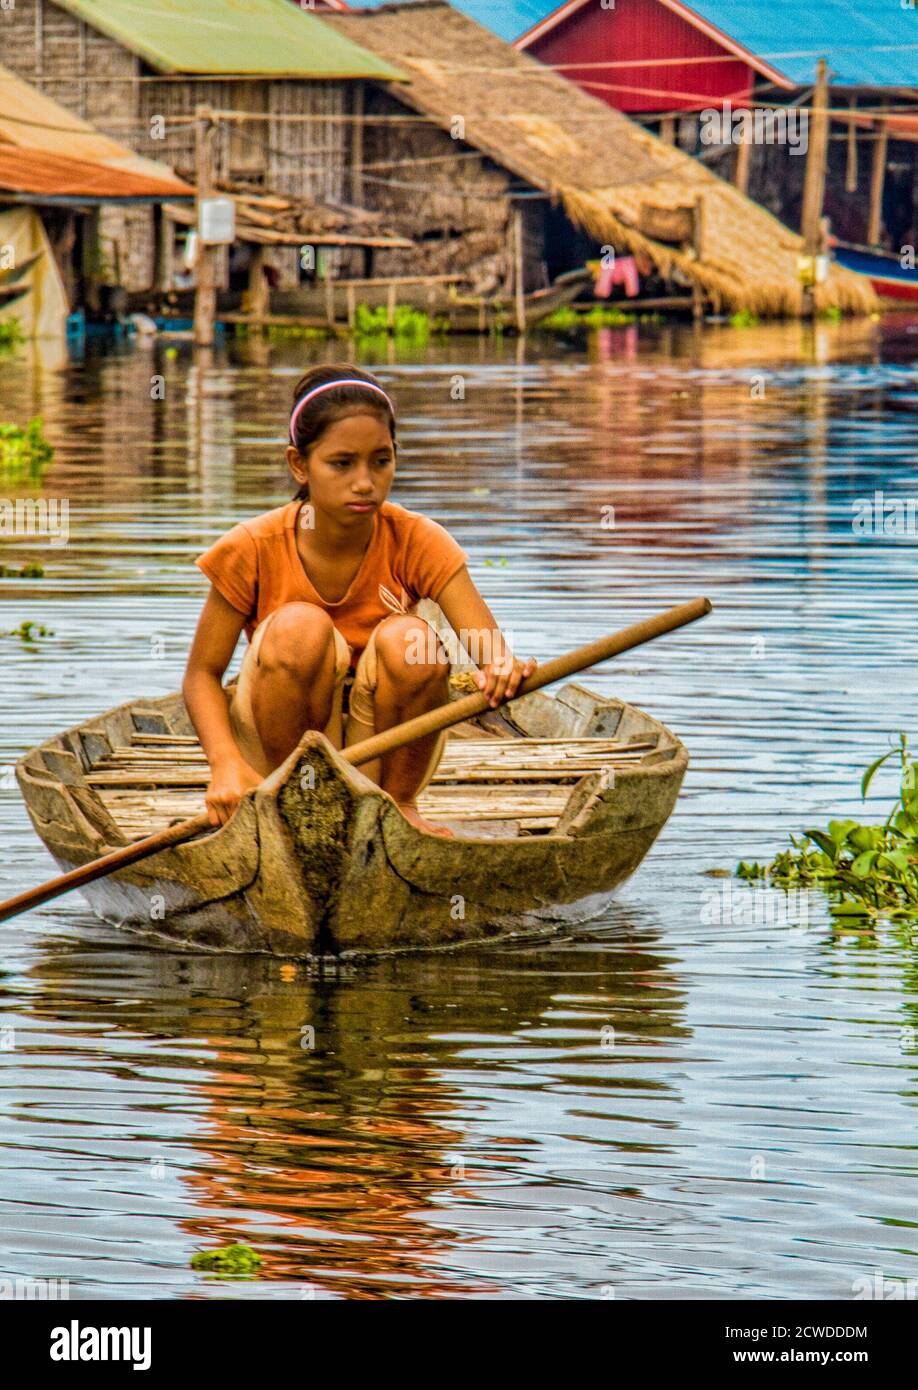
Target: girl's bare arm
[
  {"x": 214, "y": 642},
  {"x": 471, "y": 618}
]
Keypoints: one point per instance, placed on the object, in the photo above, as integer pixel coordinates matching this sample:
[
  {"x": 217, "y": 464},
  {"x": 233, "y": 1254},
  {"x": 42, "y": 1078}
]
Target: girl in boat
[{"x": 325, "y": 588}]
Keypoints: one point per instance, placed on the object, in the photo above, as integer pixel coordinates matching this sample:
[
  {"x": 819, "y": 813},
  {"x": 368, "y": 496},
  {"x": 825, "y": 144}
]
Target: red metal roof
[{"x": 38, "y": 173}]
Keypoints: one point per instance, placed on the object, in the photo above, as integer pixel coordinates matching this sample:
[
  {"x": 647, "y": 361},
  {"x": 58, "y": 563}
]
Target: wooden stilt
[
  {"x": 92, "y": 261},
  {"x": 165, "y": 243},
  {"x": 877, "y": 180},
  {"x": 357, "y": 145},
  {"x": 63, "y": 245},
  {"x": 741, "y": 168},
  {"x": 518, "y": 285},
  {"x": 698, "y": 242},
  {"x": 668, "y": 129},
  {"x": 851, "y": 166},
  {"x": 259, "y": 293},
  {"x": 205, "y": 280},
  {"x": 814, "y": 183}
]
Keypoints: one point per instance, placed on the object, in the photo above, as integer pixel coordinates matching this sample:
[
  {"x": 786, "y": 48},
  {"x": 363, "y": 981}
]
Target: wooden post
[
  {"x": 668, "y": 129},
  {"x": 357, "y": 145},
  {"x": 877, "y": 179},
  {"x": 62, "y": 247},
  {"x": 259, "y": 296},
  {"x": 851, "y": 166},
  {"x": 165, "y": 251},
  {"x": 814, "y": 183},
  {"x": 743, "y": 157},
  {"x": 698, "y": 243},
  {"x": 351, "y": 306},
  {"x": 329, "y": 298},
  {"x": 390, "y": 308},
  {"x": 92, "y": 261},
  {"x": 518, "y": 288},
  {"x": 205, "y": 276}
]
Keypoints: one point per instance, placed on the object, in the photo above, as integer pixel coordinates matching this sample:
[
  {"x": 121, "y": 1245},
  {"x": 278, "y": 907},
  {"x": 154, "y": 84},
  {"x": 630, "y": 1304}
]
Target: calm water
[{"x": 463, "y": 1126}]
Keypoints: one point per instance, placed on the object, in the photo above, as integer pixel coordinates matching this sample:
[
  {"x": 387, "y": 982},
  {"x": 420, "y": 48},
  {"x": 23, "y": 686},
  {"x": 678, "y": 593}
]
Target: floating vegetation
[
  {"x": 24, "y": 452},
  {"x": 11, "y": 334},
  {"x": 29, "y": 632},
  {"x": 561, "y": 319},
  {"x": 744, "y": 319},
  {"x": 407, "y": 322},
  {"x": 29, "y": 571},
  {"x": 602, "y": 317},
  {"x": 870, "y": 870},
  {"x": 565, "y": 318},
  {"x": 283, "y": 332},
  {"x": 233, "y": 1261}
]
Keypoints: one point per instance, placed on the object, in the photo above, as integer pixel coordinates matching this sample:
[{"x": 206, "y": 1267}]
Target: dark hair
[{"x": 333, "y": 404}]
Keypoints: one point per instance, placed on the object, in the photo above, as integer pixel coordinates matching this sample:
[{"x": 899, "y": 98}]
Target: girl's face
[{"x": 350, "y": 467}]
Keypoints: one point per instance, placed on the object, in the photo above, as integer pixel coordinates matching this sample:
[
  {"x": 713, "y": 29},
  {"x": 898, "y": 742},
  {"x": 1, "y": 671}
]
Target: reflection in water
[
  {"x": 661, "y": 1107},
  {"x": 336, "y": 1117}
]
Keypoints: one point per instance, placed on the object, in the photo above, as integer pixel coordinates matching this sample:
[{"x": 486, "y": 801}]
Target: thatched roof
[{"x": 604, "y": 168}]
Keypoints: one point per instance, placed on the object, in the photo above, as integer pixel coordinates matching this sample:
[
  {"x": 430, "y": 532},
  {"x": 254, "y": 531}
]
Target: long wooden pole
[
  {"x": 814, "y": 182},
  {"x": 397, "y": 737},
  {"x": 205, "y": 274},
  {"x": 558, "y": 669}
]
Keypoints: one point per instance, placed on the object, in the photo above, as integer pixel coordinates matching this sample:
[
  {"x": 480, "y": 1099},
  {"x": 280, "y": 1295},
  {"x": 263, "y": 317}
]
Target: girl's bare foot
[{"x": 411, "y": 813}]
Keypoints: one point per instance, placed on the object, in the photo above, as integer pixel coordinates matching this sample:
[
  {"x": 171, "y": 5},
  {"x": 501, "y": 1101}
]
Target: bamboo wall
[
  {"x": 455, "y": 206},
  {"x": 97, "y": 79},
  {"x": 306, "y": 158}
]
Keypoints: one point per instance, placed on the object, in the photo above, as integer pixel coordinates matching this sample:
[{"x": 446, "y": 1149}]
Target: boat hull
[
  {"x": 896, "y": 285},
  {"x": 319, "y": 862}
]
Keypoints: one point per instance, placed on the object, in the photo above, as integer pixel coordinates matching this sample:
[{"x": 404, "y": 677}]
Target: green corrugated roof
[{"x": 272, "y": 37}]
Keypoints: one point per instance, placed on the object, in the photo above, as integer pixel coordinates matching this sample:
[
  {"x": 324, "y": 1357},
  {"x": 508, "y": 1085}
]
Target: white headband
[{"x": 327, "y": 386}]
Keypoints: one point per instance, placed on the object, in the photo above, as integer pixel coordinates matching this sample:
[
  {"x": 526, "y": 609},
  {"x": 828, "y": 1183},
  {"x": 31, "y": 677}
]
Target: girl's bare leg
[
  {"x": 407, "y": 686},
  {"x": 293, "y": 685}
]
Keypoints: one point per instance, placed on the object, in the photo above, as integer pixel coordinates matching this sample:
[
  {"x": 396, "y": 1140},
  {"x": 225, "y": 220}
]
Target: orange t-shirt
[{"x": 257, "y": 567}]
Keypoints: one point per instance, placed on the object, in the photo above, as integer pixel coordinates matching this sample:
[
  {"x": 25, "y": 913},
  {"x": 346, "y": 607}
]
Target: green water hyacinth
[
  {"x": 24, "y": 452},
  {"x": 11, "y": 334},
  {"x": 233, "y": 1260},
  {"x": 871, "y": 871},
  {"x": 30, "y": 571},
  {"x": 407, "y": 322},
  {"x": 29, "y": 632}
]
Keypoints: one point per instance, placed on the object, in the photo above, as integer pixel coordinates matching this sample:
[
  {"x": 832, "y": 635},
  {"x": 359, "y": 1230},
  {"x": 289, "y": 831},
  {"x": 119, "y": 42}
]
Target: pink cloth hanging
[{"x": 622, "y": 271}]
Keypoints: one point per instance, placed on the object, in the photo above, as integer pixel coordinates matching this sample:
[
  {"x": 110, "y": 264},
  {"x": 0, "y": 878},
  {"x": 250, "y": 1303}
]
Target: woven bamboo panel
[{"x": 523, "y": 782}]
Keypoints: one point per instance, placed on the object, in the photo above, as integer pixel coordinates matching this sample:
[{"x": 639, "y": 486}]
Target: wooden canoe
[
  {"x": 465, "y": 313},
  {"x": 554, "y": 800}
]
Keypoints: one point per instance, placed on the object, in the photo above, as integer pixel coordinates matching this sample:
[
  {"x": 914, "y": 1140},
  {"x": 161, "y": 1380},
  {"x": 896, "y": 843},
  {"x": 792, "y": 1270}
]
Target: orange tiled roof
[{"x": 38, "y": 172}]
